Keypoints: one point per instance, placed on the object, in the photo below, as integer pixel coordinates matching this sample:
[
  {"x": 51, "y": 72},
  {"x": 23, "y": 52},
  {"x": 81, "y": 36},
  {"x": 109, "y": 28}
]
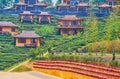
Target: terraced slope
[
  {"x": 95, "y": 71},
  {"x": 9, "y": 54}
]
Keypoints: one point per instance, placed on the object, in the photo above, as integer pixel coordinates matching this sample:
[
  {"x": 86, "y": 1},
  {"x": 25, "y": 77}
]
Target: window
[
  {"x": 65, "y": 23},
  {"x": 110, "y": 3},
  {"x": 13, "y": 29},
  {"x": 75, "y": 23},
  {"x": 21, "y": 40}
]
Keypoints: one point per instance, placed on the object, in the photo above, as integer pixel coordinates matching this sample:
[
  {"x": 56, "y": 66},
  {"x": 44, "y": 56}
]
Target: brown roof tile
[
  {"x": 83, "y": 5},
  {"x": 7, "y": 24},
  {"x": 63, "y": 4},
  {"x": 45, "y": 13},
  {"x": 40, "y": 4},
  {"x": 104, "y": 5},
  {"x": 27, "y": 34},
  {"x": 20, "y": 3},
  {"x": 26, "y": 13},
  {"x": 69, "y": 17}
]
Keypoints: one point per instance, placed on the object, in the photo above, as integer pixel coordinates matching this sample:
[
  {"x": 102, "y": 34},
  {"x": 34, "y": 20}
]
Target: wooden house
[
  {"x": 44, "y": 18},
  {"x": 69, "y": 25},
  {"x": 63, "y": 7},
  {"x": 111, "y": 2},
  {"x": 20, "y": 6},
  {"x": 27, "y": 39},
  {"x": 40, "y": 7},
  {"x": 82, "y": 7},
  {"x": 8, "y": 27},
  {"x": 105, "y": 9},
  {"x": 26, "y": 16},
  {"x": 30, "y": 5}
]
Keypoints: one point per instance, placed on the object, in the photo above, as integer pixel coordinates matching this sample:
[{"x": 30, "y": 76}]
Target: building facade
[
  {"x": 69, "y": 25},
  {"x": 8, "y": 27},
  {"x": 44, "y": 18},
  {"x": 27, "y": 39},
  {"x": 26, "y": 16},
  {"x": 30, "y": 5}
]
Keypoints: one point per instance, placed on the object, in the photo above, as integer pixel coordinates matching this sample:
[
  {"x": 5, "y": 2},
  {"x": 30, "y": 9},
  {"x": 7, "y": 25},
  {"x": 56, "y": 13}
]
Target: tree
[
  {"x": 90, "y": 29},
  {"x": 112, "y": 22}
]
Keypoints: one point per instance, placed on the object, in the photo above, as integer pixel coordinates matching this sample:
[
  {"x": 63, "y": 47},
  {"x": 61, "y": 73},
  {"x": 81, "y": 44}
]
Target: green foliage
[
  {"x": 103, "y": 47},
  {"x": 114, "y": 63},
  {"x": 45, "y": 30}
]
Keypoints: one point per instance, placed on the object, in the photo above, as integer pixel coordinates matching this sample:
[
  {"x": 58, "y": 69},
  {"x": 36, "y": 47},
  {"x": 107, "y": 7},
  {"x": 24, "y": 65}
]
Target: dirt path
[
  {"x": 26, "y": 75},
  {"x": 18, "y": 65}
]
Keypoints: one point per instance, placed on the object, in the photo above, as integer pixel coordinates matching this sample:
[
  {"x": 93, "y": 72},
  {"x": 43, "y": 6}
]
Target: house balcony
[
  {"x": 4, "y": 32},
  {"x": 32, "y": 45},
  {"x": 69, "y": 26}
]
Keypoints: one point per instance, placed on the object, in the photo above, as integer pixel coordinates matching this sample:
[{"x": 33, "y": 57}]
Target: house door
[
  {"x": 27, "y": 18},
  {"x": 34, "y": 40},
  {"x": 75, "y": 31},
  {"x": 0, "y": 29},
  {"x": 44, "y": 20}
]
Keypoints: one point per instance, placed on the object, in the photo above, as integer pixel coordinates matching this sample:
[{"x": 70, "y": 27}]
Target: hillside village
[{"x": 74, "y": 32}]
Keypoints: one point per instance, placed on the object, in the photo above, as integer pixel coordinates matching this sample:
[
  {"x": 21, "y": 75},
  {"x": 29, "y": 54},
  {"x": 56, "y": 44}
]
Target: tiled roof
[
  {"x": 40, "y": 4},
  {"x": 63, "y": 4},
  {"x": 83, "y": 4},
  {"x": 104, "y": 5},
  {"x": 28, "y": 34},
  {"x": 26, "y": 13},
  {"x": 69, "y": 17},
  {"x": 44, "y": 13},
  {"x": 20, "y": 3},
  {"x": 7, "y": 24}
]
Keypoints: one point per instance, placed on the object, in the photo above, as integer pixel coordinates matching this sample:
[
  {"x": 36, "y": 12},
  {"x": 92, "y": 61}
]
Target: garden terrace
[
  {"x": 12, "y": 56},
  {"x": 80, "y": 68}
]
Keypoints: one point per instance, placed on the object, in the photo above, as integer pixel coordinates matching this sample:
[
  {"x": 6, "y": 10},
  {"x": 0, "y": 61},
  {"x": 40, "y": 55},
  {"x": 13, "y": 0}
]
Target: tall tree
[
  {"x": 112, "y": 30},
  {"x": 90, "y": 30}
]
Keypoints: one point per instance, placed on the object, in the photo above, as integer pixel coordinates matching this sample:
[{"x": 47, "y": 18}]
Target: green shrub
[{"x": 114, "y": 63}]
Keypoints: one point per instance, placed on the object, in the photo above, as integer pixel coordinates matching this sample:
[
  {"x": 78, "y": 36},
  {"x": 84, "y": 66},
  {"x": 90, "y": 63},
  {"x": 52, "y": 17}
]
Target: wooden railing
[{"x": 30, "y": 45}]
